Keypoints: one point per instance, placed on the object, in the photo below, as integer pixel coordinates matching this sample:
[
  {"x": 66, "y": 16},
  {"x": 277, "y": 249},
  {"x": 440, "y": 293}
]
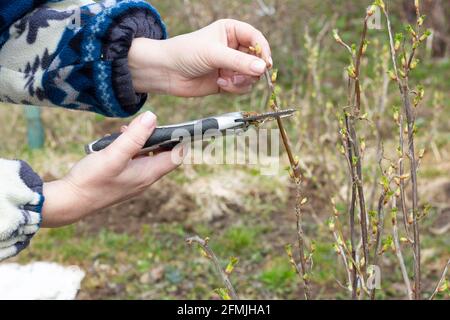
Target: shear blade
[{"x": 268, "y": 116}]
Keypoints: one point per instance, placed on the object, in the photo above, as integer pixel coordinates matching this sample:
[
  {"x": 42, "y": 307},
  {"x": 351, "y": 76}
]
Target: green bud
[
  {"x": 392, "y": 75},
  {"x": 425, "y": 35},
  {"x": 230, "y": 267},
  {"x": 223, "y": 293},
  {"x": 336, "y": 36},
  {"x": 398, "y": 41},
  {"x": 351, "y": 71},
  {"x": 380, "y": 3},
  {"x": 313, "y": 247},
  {"x": 371, "y": 10},
  {"x": 420, "y": 20},
  {"x": 411, "y": 30},
  {"x": 364, "y": 47}
]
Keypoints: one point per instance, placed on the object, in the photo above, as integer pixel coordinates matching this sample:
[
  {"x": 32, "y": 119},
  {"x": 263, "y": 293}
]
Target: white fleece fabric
[
  {"x": 39, "y": 281},
  {"x": 13, "y": 194},
  {"x": 17, "y": 225}
]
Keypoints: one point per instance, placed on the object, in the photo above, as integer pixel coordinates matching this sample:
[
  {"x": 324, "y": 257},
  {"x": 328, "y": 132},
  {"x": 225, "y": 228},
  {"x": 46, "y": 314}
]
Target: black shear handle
[{"x": 165, "y": 138}]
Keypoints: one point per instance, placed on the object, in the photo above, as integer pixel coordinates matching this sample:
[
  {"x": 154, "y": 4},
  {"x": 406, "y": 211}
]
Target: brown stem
[
  {"x": 301, "y": 243},
  {"x": 401, "y": 172},
  {"x": 444, "y": 274},
  {"x": 344, "y": 260},
  {"x": 286, "y": 142},
  {"x": 380, "y": 229},
  {"x": 357, "y": 180},
  {"x": 203, "y": 243},
  {"x": 352, "y": 210},
  {"x": 358, "y": 65},
  {"x": 378, "y": 124},
  {"x": 398, "y": 253},
  {"x": 347, "y": 251},
  {"x": 356, "y": 148},
  {"x": 401, "y": 138},
  {"x": 295, "y": 166},
  {"x": 410, "y": 119}
]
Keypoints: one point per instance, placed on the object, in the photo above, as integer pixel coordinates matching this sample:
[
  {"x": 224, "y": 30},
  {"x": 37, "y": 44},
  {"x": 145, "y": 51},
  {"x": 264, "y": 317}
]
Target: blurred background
[{"x": 137, "y": 249}]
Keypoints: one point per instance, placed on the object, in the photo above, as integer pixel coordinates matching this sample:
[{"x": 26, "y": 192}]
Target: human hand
[
  {"x": 20, "y": 200},
  {"x": 107, "y": 177},
  {"x": 208, "y": 61}
]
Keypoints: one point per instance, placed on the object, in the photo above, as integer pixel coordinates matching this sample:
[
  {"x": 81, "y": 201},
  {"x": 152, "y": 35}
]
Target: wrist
[
  {"x": 149, "y": 62},
  {"x": 63, "y": 204}
]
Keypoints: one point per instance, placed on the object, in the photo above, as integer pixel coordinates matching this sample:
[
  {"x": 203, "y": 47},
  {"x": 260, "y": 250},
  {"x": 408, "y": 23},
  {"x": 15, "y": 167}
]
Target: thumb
[
  {"x": 130, "y": 142},
  {"x": 238, "y": 61}
]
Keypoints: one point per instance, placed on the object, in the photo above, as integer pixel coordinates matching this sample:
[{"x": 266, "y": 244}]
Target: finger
[
  {"x": 8, "y": 252},
  {"x": 240, "y": 80},
  {"x": 226, "y": 58},
  {"x": 130, "y": 142},
  {"x": 149, "y": 169},
  {"x": 29, "y": 229},
  {"x": 226, "y": 73},
  {"x": 268, "y": 60},
  {"x": 14, "y": 248},
  {"x": 164, "y": 162},
  {"x": 123, "y": 129},
  {"x": 226, "y": 85},
  {"x": 12, "y": 241},
  {"x": 246, "y": 35},
  {"x": 237, "y": 81},
  {"x": 31, "y": 217},
  {"x": 245, "y": 49}
]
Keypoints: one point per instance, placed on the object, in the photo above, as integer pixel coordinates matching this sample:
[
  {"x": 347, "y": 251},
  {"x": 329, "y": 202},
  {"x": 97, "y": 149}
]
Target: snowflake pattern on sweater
[{"x": 58, "y": 53}]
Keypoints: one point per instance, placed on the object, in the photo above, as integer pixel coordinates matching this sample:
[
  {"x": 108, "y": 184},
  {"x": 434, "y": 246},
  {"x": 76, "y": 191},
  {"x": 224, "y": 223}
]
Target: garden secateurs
[{"x": 165, "y": 138}]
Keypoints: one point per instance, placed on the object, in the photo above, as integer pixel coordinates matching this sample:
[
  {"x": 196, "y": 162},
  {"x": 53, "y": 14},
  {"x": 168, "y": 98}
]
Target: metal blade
[{"x": 268, "y": 116}]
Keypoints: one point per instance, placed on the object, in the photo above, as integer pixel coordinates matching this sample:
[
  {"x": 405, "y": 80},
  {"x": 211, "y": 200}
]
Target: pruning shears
[{"x": 165, "y": 138}]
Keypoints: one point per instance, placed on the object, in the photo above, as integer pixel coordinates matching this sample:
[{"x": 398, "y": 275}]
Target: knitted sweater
[{"x": 70, "y": 54}]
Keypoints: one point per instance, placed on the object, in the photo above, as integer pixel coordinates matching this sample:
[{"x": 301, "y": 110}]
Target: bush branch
[
  {"x": 444, "y": 274},
  {"x": 203, "y": 243}
]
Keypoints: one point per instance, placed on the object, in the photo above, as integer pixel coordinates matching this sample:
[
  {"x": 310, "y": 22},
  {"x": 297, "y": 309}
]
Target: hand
[
  {"x": 211, "y": 60},
  {"x": 107, "y": 177}
]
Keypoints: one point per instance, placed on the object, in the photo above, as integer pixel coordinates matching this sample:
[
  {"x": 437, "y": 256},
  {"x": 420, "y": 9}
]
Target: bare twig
[
  {"x": 301, "y": 243},
  {"x": 410, "y": 121},
  {"x": 401, "y": 138},
  {"x": 352, "y": 209},
  {"x": 353, "y": 148},
  {"x": 398, "y": 250},
  {"x": 356, "y": 148},
  {"x": 380, "y": 229},
  {"x": 296, "y": 175},
  {"x": 286, "y": 142},
  {"x": 358, "y": 63},
  {"x": 444, "y": 274},
  {"x": 341, "y": 242},
  {"x": 203, "y": 243},
  {"x": 382, "y": 101},
  {"x": 346, "y": 264}
]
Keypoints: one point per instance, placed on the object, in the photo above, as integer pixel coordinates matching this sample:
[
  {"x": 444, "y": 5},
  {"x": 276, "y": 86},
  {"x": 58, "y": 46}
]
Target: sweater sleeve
[
  {"x": 21, "y": 202},
  {"x": 75, "y": 56}
]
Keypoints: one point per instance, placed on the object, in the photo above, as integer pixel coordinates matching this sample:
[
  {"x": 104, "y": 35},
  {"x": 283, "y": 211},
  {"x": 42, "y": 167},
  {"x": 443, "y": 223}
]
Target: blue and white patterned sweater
[{"x": 63, "y": 53}]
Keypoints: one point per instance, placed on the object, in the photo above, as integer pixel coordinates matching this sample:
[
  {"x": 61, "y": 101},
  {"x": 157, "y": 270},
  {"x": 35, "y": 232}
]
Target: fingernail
[
  {"x": 258, "y": 66},
  {"x": 239, "y": 79},
  {"x": 222, "y": 82},
  {"x": 148, "y": 119},
  {"x": 181, "y": 151}
]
